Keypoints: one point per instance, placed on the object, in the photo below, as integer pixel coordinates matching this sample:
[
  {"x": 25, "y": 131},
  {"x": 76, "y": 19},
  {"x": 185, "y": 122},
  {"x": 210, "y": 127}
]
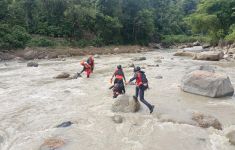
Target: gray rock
[
  {"x": 209, "y": 56},
  {"x": 139, "y": 58},
  {"x": 62, "y": 56},
  {"x": 208, "y": 68},
  {"x": 207, "y": 83},
  {"x": 197, "y": 43},
  {"x": 32, "y": 64},
  {"x": 126, "y": 104},
  {"x": 231, "y": 137},
  {"x": 206, "y": 121},
  {"x": 64, "y": 124},
  {"x": 96, "y": 56},
  {"x": 117, "y": 119},
  {"x": 63, "y": 75},
  {"x": 29, "y": 55},
  {"x": 158, "y": 61},
  {"x": 131, "y": 65},
  {"x": 159, "y": 77},
  {"x": 206, "y": 46}
]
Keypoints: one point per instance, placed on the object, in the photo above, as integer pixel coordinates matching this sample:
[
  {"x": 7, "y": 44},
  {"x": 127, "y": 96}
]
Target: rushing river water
[{"x": 32, "y": 103}]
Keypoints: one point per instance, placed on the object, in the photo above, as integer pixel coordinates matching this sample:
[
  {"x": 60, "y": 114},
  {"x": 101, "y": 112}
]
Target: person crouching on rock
[
  {"x": 117, "y": 89},
  {"x": 141, "y": 86},
  {"x": 86, "y": 68},
  {"x": 119, "y": 77},
  {"x": 91, "y": 62}
]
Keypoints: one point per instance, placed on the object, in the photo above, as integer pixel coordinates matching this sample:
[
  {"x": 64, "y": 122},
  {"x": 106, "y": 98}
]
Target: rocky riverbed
[{"x": 33, "y": 105}]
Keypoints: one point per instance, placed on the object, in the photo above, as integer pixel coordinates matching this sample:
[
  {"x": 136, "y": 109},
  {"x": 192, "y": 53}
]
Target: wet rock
[
  {"x": 52, "y": 55},
  {"x": 6, "y": 56},
  {"x": 158, "y": 61},
  {"x": 131, "y": 65},
  {"x": 184, "y": 53},
  {"x": 75, "y": 76},
  {"x": 209, "y": 56},
  {"x": 197, "y": 43},
  {"x": 52, "y": 144},
  {"x": 29, "y": 55},
  {"x": 64, "y": 124},
  {"x": 32, "y": 64},
  {"x": 139, "y": 58},
  {"x": 155, "y": 45},
  {"x": 117, "y": 119},
  {"x": 96, "y": 56},
  {"x": 207, "y": 83},
  {"x": 206, "y": 46},
  {"x": 206, "y": 121},
  {"x": 231, "y": 137},
  {"x": 63, "y": 75},
  {"x": 159, "y": 77},
  {"x": 157, "y": 65},
  {"x": 125, "y": 104},
  {"x": 116, "y": 49}
]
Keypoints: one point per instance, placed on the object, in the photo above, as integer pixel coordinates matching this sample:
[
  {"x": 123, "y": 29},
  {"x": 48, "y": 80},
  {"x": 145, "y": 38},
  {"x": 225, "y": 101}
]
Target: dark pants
[
  {"x": 122, "y": 83},
  {"x": 139, "y": 91}
]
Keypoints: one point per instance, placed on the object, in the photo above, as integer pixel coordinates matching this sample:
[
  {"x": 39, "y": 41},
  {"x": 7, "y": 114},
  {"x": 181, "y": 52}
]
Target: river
[{"x": 33, "y": 103}]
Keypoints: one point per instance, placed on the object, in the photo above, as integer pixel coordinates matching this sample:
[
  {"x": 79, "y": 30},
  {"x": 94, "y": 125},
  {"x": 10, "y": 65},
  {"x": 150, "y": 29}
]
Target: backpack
[{"x": 144, "y": 78}]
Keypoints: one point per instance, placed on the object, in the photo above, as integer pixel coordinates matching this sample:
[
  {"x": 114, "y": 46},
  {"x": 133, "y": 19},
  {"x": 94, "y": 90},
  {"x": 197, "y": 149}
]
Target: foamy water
[{"x": 33, "y": 103}]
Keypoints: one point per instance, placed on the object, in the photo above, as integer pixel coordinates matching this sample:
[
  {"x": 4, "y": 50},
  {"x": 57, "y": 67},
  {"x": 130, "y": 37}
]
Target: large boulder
[
  {"x": 184, "y": 53},
  {"x": 206, "y": 121},
  {"x": 29, "y": 55},
  {"x": 231, "y": 137},
  {"x": 125, "y": 104},
  {"x": 63, "y": 75},
  {"x": 207, "y": 84},
  {"x": 209, "y": 56}
]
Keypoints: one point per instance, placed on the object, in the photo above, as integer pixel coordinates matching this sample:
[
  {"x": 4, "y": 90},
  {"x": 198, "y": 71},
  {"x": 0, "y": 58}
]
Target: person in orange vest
[
  {"x": 91, "y": 62},
  {"x": 86, "y": 68},
  {"x": 141, "y": 86},
  {"x": 119, "y": 77}
]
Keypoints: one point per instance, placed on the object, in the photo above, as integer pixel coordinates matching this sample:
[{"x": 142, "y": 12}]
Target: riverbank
[{"x": 51, "y": 53}]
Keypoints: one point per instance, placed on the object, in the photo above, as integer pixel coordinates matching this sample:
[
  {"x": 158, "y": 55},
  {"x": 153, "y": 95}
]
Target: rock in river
[
  {"x": 209, "y": 56},
  {"x": 32, "y": 64},
  {"x": 64, "y": 124},
  {"x": 206, "y": 121},
  {"x": 207, "y": 84},
  {"x": 52, "y": 144},
  {"x": 231, "y": 137},
  {"x": 126, "y": 104},
  {"x": 139, "y": 58},
  {"x": 63, "y": 75},
  {"x": 117, "y": 119}
]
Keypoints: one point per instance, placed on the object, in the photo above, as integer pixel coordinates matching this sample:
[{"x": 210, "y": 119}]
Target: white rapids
[{"x": 33, "y": 104}]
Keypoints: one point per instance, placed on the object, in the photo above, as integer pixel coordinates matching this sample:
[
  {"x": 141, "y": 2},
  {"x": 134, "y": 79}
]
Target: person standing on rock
[
  {"x": 141, "y": 86},
  {"x": 119, "y": 77},
  {"x": 86, "y": 68},
  {"x": 91, "y": 62}
]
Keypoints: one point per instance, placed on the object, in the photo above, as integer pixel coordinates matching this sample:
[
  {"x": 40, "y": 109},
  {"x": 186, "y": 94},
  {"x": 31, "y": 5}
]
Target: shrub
[{"x": 41, "y": 42}]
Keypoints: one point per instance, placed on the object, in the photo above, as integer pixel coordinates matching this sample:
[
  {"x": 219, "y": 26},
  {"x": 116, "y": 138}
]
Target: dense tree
[{"x": 114, "y": 21}]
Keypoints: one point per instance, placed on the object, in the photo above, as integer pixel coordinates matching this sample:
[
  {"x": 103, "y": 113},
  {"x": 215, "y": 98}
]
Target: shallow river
[{"x": 32, "y": 103}]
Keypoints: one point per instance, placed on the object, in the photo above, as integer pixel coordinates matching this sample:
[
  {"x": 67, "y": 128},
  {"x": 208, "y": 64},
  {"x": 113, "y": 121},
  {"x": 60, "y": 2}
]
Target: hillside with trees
[{"x": 43, "y": 23}]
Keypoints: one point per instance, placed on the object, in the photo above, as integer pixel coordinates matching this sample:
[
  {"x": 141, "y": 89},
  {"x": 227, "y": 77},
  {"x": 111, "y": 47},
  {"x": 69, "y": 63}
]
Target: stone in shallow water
[
  {"x": 124, "y": 104},
  {"x": 64, "y": 124},
  {"x": 231, "y": 137},
  {"x": 207, "y": 83},
  {"x": 63, "y": 75},
  {"x": 52, "y": 144},
  {"x": 32, "y": 64},
  {"x": 206, "y": 121},
  {"x": 117, "y": 119}
]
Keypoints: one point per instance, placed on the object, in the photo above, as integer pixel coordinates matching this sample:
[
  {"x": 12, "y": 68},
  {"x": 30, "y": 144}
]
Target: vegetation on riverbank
[{"x": 80, "y": 23}]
